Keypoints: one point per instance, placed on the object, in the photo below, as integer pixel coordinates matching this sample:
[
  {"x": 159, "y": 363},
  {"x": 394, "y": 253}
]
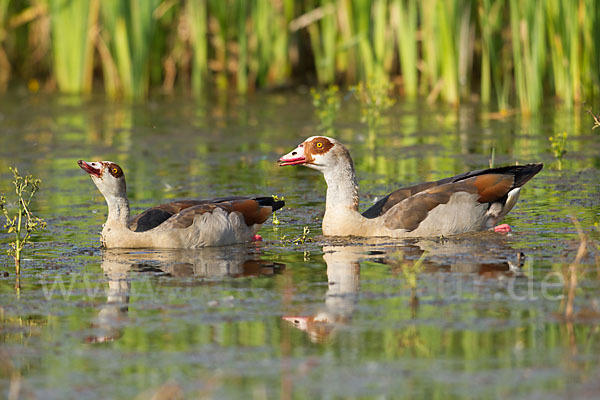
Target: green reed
[
  {"x": 3, "y": 12},
  {"x": 128, "y": 31},
  {"x": 405, "y": 15},
  {"x": 527, "y": 33},
  {"x": 73, "y": 22},
  {"x": 495, "y": 68},
  {"x": 4, "y": 64},
  {"x": 446, "y": 43},
  {"x": 269, "y": 41},
  {"x": 196, "y": 18},
  {"x": 322, "y": 28},
  {"x": 429, "y": 47},
  {"x": 507, "y": 53}
]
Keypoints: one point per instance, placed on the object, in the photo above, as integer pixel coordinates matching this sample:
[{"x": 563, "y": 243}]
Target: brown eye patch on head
[
  {"x": 320, "y": 145},
  {"x": 115, "y": 170}
]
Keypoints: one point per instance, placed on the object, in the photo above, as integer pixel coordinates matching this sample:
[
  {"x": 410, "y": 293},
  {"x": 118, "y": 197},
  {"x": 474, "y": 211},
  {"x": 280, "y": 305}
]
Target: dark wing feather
[
  {"x": 271, "y": 202},
  {"x": 149, "y": 219},
  {"x": 491, "y": 188}
]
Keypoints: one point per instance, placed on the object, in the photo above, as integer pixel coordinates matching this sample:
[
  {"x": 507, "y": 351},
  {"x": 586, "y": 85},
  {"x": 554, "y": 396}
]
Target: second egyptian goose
[
  {"x": 180, "y": 224},
  {"x": 473, "y": 201}
]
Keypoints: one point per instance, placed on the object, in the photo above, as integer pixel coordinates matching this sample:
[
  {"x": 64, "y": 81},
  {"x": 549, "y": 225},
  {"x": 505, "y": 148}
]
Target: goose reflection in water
[
  {"x": 205, "y": 263},
  {"x": 456, "y": 258}
]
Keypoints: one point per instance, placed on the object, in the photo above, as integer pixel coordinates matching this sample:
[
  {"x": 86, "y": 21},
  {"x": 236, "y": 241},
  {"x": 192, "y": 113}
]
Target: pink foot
[
  {"x": 503, "y": 228},
  {"x": 257, "y": 238}
]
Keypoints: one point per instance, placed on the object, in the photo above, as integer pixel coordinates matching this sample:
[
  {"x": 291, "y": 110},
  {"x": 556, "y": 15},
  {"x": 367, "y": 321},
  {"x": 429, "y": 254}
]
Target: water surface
[{"x": 475, "y": 316}]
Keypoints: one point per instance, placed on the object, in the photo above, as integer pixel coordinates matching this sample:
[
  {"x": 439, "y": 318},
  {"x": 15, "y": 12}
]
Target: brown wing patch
[
  {"x": 492, "y": 187},
  {"x": 252, "y": 212}
]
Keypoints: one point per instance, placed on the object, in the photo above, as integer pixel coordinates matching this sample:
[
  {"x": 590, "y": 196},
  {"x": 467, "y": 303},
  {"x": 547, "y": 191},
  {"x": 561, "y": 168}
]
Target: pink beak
[
  {"x": 89, "y": 168},
  {"x": 294, "y": 157},
  {"x": 291, "y": 161}
]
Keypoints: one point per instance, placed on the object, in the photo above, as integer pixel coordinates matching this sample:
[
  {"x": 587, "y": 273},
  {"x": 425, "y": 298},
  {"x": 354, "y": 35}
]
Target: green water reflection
[{"x": 274, "y": 319}]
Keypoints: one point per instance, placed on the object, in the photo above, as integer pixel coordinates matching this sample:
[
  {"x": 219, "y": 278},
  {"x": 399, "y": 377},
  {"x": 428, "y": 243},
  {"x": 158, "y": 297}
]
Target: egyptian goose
[
  {"x": 473, "y": 201},
  {"x": 180, "y": 224}
]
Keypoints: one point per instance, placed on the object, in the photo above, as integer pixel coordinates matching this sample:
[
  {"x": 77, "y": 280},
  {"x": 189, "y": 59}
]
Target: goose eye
[
  {"x": 319, "y": 145},
  {"x": 114, "y": 171}
]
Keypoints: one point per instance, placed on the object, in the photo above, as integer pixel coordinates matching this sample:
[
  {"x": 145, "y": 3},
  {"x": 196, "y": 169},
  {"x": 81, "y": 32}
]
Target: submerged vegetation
[
  {"x": 558, "y": 145},
  {"x": 374, "y": 99},
  {"x": 327, "y": 104},
  {"x": 508, "y": 53},
  {"x": 303, "y": 238},
  {"x": 22, "y": 223}
]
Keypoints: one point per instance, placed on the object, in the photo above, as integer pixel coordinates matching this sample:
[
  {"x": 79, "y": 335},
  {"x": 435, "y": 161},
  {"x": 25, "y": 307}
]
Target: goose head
[
  {"x": 318, "y": 152},
  {"x": 107, "y": 176}
]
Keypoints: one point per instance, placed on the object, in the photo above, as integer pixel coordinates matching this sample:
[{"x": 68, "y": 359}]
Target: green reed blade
[
  {"x": 429, "y": 23},
  {"x": 405, "y": 13},
  {"x": 242, "y": 65},
  {"x": 447, "y": 47},
  {"x": 197, "y": 19},
  {"x": 523, "y": 52},
  {"x": 71, "y": 43}
]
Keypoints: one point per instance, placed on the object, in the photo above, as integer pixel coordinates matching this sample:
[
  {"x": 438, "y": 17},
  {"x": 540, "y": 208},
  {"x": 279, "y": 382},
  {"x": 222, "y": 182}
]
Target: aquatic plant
[
  {"x": 327, "y": 104},
  {"x": 571, "y": 278},
  {"x": 23, "y": 223},
  {"x": 412, "y": 271},
  {"x": 558, "y": 144},
  {"x": 596, "y": 119},
  {"x": 274, "y": 215},
  {"x": 304, "y": 237},
  {"x": 596, "y": 243},
  {"x": 492, "y": 159},
  {"x": 374, "y": 99}
]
